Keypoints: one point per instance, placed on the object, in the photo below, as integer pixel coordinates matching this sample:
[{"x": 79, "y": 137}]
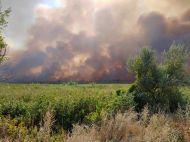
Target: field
[
  {"x": 72, "y": 103},
  {"x": 59, "y": 90},
  {"x": 25, "y": 108},
  {"x": 33, "y": 100}
]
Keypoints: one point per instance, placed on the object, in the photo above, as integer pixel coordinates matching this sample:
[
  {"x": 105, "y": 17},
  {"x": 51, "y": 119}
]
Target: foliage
[
  {"x": 3, "y": 49},
  {"x": 3, "y": 23},
  {"x": 12, "y": 128},
  {"x": 23, "y": 107},
  {"x": 71, "y": 104},
  {"x": 157, "y": 85},
  {"x": 130, "y": 126}
]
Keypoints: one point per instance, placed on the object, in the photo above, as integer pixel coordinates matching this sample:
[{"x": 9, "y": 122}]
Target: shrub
[
  {"x": 157, "y": 85},
  {"x": 69, "y": 113}
]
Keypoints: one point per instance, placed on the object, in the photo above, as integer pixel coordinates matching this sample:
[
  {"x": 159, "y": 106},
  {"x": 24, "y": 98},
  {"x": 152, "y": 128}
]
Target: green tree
[
  {"x": 3, "y": 23},
  {"x": 157, "y": 85}
]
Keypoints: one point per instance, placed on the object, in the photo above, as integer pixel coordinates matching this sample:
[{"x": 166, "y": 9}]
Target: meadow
[
  {"x": 56, "y": 112},
  {"x": 26, "y": 104}
]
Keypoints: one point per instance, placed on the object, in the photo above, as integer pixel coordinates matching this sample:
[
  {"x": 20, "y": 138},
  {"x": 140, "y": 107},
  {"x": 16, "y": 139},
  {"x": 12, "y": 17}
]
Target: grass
[
  {"x": 123, "y": 127},
  {"x": 59, "y": 90},
  {"x": 128, "y": 127},
  {"x": 64, "y": 90},
  {"x": 47, "y": 112},
  {"x": 72, "y": 103}
]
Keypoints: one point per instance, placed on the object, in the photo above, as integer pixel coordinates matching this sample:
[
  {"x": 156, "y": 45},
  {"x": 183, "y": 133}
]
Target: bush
[
  {"x": 69, "y": 113},
  {"x": 157, "y": 85}
]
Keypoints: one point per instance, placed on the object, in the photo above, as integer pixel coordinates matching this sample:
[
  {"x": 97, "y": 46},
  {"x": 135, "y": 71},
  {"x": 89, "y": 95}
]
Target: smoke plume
[{"x": 91, "y": 40}]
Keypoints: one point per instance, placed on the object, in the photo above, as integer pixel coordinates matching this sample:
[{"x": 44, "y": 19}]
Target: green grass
[
  {"x": 9, "y": 92},
  {"x": 72, "y": 103},
  {"x": 59, "y": 90},
  {"x": 54, "y": 92},
  {"x": 23, "y": 106},
  {"x": 186, "y": 91},
  {"x": 64, "y": 90}
]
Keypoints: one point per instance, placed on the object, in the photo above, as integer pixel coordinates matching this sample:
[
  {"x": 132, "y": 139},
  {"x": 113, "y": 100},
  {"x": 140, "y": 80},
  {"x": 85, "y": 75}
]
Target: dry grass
[
  {"x": 133, "y": 127},
  {"x": 127, "y": 127},
  {"x": 44, "y": 133}
]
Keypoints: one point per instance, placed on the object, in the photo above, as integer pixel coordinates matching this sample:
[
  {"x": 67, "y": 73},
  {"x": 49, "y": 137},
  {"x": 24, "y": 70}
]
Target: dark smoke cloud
[
  {"x": 160, "y": 31},
  {"x": 83, "y": 42}
]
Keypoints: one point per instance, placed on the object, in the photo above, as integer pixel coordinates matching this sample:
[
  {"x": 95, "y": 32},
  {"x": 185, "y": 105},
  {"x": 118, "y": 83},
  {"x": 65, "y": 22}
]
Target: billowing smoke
[{"x": 91, "y": 40}]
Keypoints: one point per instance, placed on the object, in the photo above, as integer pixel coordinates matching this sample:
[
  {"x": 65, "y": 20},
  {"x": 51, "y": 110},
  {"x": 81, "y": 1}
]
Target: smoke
[
  {"x": 91, "y": 41},
  {"x": 21, "y": 18}
]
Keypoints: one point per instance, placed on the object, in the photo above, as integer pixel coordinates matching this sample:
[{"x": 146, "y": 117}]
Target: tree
[
  {"x": 157, "y": 85},
  {"x": 3, "y": 24}
]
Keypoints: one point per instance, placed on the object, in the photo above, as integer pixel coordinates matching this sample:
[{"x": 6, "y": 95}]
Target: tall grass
[
  {"x": 134, "y": 127},
  {"x": 123, "y": 127},
  {"x": 83, "y": 113}
]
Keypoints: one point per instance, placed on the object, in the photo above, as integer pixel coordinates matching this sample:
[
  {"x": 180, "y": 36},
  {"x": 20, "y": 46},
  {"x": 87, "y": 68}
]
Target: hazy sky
[
  {"x": 88, "y": 40},
  {"x": 24, "y": 12}
]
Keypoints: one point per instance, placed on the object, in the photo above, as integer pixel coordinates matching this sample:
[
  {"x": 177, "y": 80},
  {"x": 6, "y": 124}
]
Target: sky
[{"x": 87, "y": 40}]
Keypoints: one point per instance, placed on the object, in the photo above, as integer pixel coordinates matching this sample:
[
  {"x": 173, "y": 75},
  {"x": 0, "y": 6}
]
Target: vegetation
[
  {"x": 153, "y": 109},
  {"x": 158, "y": 85},
  {"x": 128, "y": 127},
  {"x": 71, "y": 104},
  {"x": 95, "y": 112},
  {"x": 123, "y": 127},
  {"x": 3, "y": 23},
  {"x": 65, "y": 112}
]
